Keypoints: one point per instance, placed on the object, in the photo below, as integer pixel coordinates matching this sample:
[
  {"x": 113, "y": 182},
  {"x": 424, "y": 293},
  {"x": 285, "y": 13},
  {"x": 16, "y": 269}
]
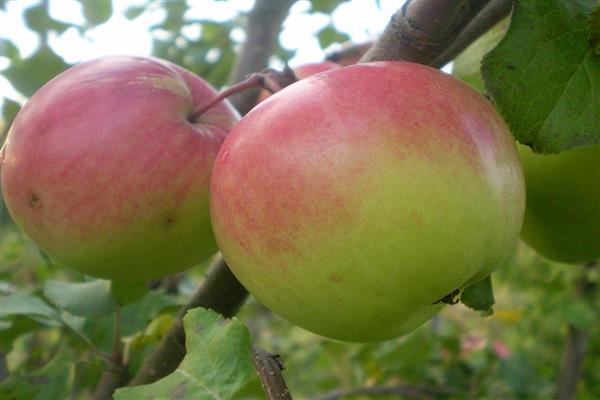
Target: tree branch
[
  {"x": 576, "y": 344},
  {"x": 115, "y": 373},
  {"x": 269, "y": 368},
  {"x": 422, "y": 29},
  {"x": 262, "y": 31},
  {"x": 219, "y": 291},
  {"x": 491, "y": 14}
]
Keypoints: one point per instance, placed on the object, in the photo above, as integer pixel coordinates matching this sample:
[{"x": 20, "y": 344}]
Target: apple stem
[{"x": 268, "y": 79}]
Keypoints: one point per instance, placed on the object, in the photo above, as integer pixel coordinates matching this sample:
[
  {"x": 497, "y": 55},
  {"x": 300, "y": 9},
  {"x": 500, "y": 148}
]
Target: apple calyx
[{"x": 268, "y": 79}]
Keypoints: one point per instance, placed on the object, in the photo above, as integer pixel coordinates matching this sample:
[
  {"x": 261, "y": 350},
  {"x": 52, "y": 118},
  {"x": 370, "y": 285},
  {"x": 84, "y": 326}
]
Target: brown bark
[{"x": 422, "y": 29}]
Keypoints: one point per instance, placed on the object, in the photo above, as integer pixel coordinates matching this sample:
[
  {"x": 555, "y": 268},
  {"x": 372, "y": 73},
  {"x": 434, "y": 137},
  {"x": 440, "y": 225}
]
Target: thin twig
[
  {"x": 268, "y": 368},
  {"x": 268, "y": 79},
  {"x": 116, "y": 375},
  {"x": 493, "y": 13}
]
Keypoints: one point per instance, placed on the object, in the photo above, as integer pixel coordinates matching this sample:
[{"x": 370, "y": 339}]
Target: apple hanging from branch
[
  {"x": 105, "y": 170},
  {"x": 352, "y": 201}
]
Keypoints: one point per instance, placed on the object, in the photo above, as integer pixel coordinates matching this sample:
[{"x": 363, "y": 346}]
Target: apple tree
[{"x": 154, "y": 232}]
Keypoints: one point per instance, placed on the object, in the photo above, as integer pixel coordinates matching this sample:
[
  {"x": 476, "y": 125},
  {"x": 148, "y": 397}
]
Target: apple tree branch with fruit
[{"x": 354, "y": 200}]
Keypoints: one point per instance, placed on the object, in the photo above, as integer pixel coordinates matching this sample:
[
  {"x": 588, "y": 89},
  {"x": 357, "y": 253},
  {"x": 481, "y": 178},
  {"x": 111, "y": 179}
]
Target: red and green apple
[
  {"x": 352, "y": 201},
  {"x": 105, "y": 171}
]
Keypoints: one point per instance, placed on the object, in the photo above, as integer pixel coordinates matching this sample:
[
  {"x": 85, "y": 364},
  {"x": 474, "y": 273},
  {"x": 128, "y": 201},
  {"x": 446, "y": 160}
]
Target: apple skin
[
  {"x": 102, "y": 169},
  {"x": 562, "y": 217},
  {"x": 304, "y": 71},
  {"x": 352, "y": 201}
]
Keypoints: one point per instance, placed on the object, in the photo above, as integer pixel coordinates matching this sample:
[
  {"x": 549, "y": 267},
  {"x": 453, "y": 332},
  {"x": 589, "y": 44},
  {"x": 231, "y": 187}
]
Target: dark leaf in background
[
  {"x": 134, "y": 12},
  {"x": 96, "y": 12},
  {"x": 545, "y": 78},
  {"x": 37, "y": 19},
  {"x": 50, "y": 382},
  {"x": 329, "y": 35},
  {"x": 8, "y": 49},
  {"x": 9, "y": 110},
  {"x": 324, "y": 6},
  {"x": 91, "y": 299},
  {"x": 594, "y": 38},
  {"x": 30, "y": 74},
  {"x": 175, "y": 11}
]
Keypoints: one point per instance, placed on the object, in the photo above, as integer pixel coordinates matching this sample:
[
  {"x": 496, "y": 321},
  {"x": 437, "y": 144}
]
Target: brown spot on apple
[
  {"x": 335, "y": 278},
  {"x": 34, "y": 201}
]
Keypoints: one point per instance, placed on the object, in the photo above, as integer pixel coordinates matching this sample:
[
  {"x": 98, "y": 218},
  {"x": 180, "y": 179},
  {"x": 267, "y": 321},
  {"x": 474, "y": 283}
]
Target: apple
[
  {"x": 304, "y": 71},
  {"x": 352, "y": 201},
  {"x": 562, "y": 217},
  {"x": 104, "y": 171}
]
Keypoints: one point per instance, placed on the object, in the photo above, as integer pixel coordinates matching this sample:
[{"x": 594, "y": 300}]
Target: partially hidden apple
[
  {"x": 304, "y": 71},
  {"x": 562, "y": 217},
  {"x": 353, "y": 201},
  {"x": 103, "y": 169}
]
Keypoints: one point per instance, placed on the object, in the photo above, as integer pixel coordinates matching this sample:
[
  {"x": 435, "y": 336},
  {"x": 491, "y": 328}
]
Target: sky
[{"x": 362, "y": 20}]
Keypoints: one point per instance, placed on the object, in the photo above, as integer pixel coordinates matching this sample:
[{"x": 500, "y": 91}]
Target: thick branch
[
  {"x": 422, "y": 29},
  {"x": 219, "y": 291},
  {"x": 264, "y": 25},
  {"x": 576, "y": 345},
  {"x": 269, "y": 368},
  {"x": 493, "y": 13}
]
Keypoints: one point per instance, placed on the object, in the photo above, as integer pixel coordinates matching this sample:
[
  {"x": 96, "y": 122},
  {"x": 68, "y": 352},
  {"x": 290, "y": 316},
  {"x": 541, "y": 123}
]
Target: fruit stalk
[{"x": 268, "y": 79}]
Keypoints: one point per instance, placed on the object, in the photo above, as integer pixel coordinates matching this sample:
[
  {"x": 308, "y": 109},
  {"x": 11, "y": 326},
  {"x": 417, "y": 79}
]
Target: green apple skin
[
  {"x": 352, "y": 201},
  {"x": 562, "y": 217},
  {"x": 104, "y": 171}
]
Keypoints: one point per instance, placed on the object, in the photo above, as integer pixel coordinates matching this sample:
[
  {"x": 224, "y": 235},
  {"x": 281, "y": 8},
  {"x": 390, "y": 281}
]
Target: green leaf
[
  {"x": 329, "y": 35},
  {"x": 9, "y": 111},
  {"x": 594, "y": 38},
  {"x": 128, "y": 292},
  {"x": 30, "y": 74},
  {"x": 544, "y": 78},
  {"x": 96, "y": 11},
  {"x": 37, "y": 19},
  {"x": 579, "y": 313},
  {"x": 25, "y": 304},
  {"x": 467, "y": 66},
  {"x": 479, "y": 296},
  {"x": 324, "y": 6},
  {"x": 8, "y": 49},
  {"x": 135, "y": 316},
  {"x": 49, "y": 382},
  {"x": 91, "y": 299},
  {"x": 134, "y": 12},
  {"x": 217, "y": 364}
]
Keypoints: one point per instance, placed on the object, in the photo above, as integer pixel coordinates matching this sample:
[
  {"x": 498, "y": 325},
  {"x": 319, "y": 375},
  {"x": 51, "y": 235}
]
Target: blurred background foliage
[{"x": 515, "y": 353}]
